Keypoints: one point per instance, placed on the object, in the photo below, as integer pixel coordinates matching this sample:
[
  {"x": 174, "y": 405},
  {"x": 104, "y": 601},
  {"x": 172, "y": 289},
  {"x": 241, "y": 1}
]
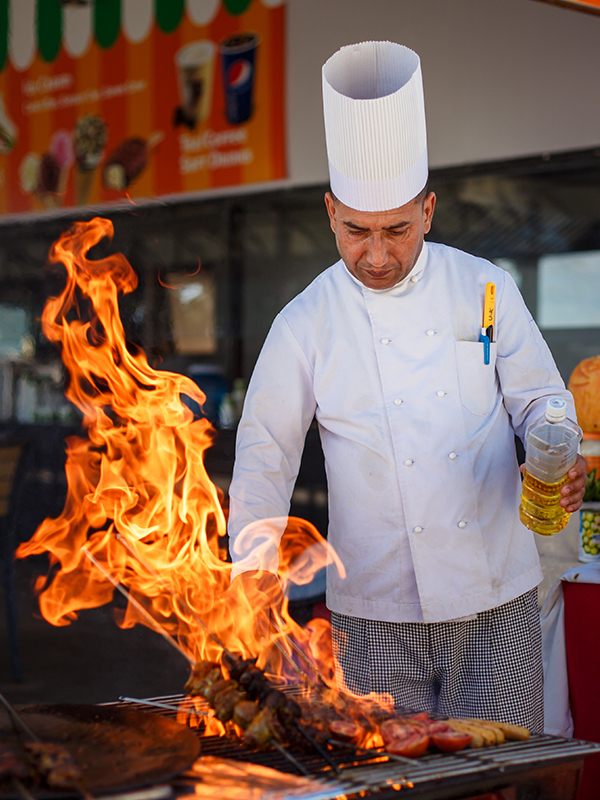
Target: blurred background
[{"x": 236, "y": 187}]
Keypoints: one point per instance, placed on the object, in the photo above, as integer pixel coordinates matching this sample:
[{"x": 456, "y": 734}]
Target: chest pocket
[{"x": 477, "y": 381}]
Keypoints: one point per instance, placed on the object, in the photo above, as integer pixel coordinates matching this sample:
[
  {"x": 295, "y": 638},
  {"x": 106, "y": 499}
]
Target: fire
[{"x": 141, "y": 513}]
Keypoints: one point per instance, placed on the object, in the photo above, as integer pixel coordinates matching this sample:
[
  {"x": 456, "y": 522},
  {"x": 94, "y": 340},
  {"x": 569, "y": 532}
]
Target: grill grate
[{"x": 361, "y": 771}]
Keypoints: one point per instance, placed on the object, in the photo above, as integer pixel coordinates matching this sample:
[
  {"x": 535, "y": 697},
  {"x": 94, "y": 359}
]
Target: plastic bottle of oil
[{"x": 551, "y": 451}]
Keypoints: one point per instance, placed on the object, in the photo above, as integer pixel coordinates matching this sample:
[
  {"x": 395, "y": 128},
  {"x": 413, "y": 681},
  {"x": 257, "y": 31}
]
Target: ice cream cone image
[
  {"x": 89, "y": 140},
  {"x": 61, "y": 148},
  {"x": 8, "y": 129},
  {"x": 49, "y": 179},
  {"x": 39, "y": 176},
  {"x": 29, "y": 173},
  {"x": 128, "y": 161},
  {"x": 84, "y": 180}
]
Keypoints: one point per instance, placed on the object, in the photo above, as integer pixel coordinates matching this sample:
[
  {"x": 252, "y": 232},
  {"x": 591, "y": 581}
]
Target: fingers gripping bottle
[{"x": 551, "y": 451}]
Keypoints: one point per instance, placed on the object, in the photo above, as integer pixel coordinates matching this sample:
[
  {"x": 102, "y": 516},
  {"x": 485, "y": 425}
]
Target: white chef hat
[{"x": 375, "y": 125}]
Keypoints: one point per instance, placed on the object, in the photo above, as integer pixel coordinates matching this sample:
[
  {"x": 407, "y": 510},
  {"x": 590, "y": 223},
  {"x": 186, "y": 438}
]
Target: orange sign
[{"x": 137, "y": 98}]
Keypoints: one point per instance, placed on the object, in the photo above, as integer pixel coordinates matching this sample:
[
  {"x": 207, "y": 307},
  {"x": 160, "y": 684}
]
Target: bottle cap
[{"x": 556, "y": 409}]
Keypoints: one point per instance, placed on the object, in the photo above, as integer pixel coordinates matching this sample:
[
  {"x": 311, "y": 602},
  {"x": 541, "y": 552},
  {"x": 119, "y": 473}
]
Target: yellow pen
[{"x": 489, "y": 310}]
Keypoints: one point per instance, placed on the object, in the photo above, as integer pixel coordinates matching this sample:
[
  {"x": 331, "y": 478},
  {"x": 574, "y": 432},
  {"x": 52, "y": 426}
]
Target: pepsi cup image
[{"x": 238, "y": 57}]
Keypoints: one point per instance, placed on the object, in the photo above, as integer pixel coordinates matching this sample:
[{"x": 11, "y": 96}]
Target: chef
[{"x": 439, "y": 603}]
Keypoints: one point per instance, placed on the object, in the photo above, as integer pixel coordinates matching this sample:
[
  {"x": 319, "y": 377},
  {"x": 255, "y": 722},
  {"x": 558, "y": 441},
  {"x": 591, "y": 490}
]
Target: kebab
[{"x": 246, "y": 698}]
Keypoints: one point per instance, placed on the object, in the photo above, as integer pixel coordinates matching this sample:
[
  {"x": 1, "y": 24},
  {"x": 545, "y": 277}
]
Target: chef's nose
[{"x": 378, "y": 251}]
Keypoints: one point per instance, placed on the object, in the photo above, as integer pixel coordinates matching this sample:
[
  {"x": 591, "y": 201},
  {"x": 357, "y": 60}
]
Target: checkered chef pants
[{"x": 489, "y": 667}]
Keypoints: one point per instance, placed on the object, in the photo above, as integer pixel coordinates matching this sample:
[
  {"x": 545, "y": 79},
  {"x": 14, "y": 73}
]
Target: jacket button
[
  {"x": 430, "y": 332},
  {"x": 452, "y": 456},
  {"x": 418, "y": 529},
  {"x": 409, "y": 462},
  {"x": 415, "y": 279},
  {"x": 440, "y": 393},
  {"x": 462, "y": 524},
  {"x": 398, "y": 401},
  {"x": 385, "y": 341}
]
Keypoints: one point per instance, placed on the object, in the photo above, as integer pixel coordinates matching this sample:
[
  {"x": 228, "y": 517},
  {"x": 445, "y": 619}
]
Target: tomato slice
[
  {"x": 437, "y": 726},
  {"x": 344, "y": 729},
  {"x": 411, "y": 747},
  {"x": 451, "y": 741},
  {"x": 420, "y": 716},
  {"x": 395, "y": 729}
]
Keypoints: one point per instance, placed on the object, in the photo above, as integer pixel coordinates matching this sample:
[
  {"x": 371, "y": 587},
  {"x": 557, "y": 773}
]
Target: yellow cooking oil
[{"x": 540, "y": 508}]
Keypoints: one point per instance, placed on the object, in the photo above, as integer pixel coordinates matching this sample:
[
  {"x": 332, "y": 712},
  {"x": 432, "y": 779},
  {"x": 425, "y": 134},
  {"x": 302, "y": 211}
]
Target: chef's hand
[
  {"x": 264, "y": 593},
  {"x": 572, "y": 492}
]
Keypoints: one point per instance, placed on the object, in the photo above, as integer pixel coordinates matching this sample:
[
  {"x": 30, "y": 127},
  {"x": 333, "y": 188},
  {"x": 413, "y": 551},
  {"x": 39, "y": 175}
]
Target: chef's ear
[
  {"x": 428, "y": 209},
  {"x": 331, "y": 209}
]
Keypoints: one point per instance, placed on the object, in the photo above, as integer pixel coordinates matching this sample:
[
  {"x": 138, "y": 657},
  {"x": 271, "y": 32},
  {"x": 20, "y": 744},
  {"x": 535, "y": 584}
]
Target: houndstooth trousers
[{"x": 489, "y": 667}]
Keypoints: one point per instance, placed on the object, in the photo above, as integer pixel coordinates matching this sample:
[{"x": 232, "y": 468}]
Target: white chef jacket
[{"x": 417, "y": 433}]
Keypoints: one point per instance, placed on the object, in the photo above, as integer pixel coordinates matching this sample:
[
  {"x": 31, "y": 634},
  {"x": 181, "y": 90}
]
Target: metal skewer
[
  {"x": 129, "y": 597},
  {"x": 302, "y": 675},
  {"x": 22, "y": 790},
  {"x": 320, "y": 750},
  {"x": 300, "y": 767},
  {"x": 164, "y": 706},
  {"x": 16, "y": 718},
  {"x": 181, "y": 600},
  {"x": 299, "y": 652}
]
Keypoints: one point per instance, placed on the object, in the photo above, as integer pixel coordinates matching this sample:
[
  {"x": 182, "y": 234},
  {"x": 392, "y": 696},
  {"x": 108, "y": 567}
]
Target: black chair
[{"x": 9, "y": 459}]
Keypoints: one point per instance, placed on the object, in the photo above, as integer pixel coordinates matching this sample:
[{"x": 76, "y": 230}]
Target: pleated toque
[{"x": 375, "y": 125}]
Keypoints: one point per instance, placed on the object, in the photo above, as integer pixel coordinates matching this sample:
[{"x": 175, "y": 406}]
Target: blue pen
[{"x": 483, "y": 337}]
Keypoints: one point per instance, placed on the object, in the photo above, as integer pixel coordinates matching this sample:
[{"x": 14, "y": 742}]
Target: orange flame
[{"x": 139, "y": 499}]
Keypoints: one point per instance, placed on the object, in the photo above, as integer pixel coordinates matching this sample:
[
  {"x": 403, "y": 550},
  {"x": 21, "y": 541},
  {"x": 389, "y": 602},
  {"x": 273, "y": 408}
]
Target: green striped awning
[{"x": 39, "y": 26}]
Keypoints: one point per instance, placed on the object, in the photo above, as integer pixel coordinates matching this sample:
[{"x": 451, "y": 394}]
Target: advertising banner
[
  {"x": 592, "y": 6},
  {"x": 112, "y": 99}
]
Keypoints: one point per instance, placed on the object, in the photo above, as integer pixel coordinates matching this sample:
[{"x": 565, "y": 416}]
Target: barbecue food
[
  {"x": 409, "y": 747},
  {"x": 55, "y": 764},
  {"x": 11, "y": 766},
  {"x": 451, "y": 741},
  {"x": 345, "y": 730},
  {"x": 266, "y": 716},
  {"x": 487, "y": 732},
  {"x": 247, "y": 698}
]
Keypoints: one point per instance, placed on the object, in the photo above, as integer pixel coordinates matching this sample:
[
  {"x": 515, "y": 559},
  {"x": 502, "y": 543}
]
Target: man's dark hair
[{"x": 420, "y": 198}]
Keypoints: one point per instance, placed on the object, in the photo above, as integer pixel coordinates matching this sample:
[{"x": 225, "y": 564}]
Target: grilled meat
[
  {"x": 248, "y": 698},
  {"x": 55, "y": 764},
  {"x": 244, "y": 712},
  {"x": 11, "y": 765},
  {"x": 262, "y": 729}
]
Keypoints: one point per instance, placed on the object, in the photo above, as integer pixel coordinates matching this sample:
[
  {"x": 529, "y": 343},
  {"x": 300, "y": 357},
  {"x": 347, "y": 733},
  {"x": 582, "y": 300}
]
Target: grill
[{"x": 543, "y": 767}]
